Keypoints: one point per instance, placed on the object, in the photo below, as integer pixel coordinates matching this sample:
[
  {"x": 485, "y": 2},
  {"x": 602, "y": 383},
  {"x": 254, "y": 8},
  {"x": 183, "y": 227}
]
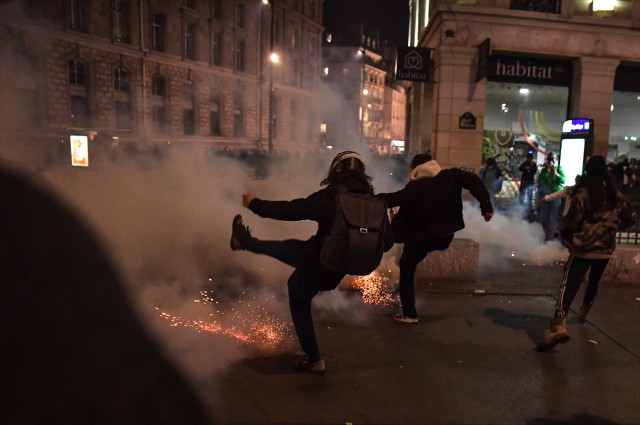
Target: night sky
[{"x": 391, "y": 17}]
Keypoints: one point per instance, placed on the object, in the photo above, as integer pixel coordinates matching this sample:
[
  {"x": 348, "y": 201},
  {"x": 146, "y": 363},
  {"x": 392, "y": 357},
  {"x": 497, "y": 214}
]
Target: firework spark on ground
[
  {"x": 249, "y": 323},
  {"x": 374, "y": 288}
]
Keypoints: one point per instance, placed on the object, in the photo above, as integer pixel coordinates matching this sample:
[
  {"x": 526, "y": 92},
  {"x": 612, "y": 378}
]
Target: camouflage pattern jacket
[{"x": 588, "y": 233}]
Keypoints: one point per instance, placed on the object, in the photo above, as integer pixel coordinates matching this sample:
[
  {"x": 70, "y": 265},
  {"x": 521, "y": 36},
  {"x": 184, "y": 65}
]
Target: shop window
[
  {"x": 216, "y": 9},
  {"x": 522, "y": 119},
  {"x": 624, "y": 129}
]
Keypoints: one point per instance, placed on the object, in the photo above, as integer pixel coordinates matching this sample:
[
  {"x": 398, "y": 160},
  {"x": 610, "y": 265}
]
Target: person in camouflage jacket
[{"x": 596, "y": 212}]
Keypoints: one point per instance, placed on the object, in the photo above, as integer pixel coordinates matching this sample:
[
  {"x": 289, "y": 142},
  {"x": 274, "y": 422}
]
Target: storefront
[{"x": 624, "y": 132}]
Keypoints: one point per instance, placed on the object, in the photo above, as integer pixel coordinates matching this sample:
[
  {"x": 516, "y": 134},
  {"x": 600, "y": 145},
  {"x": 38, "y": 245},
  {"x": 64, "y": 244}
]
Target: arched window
[{"x": 158, "y": 85}]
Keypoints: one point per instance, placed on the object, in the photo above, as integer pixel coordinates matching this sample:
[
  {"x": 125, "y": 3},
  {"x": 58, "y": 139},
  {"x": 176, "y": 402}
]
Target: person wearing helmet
[{"x": 309, "y": 277}]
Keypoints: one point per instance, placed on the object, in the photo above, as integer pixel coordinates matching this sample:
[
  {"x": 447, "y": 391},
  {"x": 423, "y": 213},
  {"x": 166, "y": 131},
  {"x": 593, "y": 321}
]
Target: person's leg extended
[
  {"x": 289, "y": 251},
  {"x": 576, "y": 269}
]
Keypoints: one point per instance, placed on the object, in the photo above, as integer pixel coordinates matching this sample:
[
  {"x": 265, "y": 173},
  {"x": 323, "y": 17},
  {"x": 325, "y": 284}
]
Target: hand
[
  {"x": 247, "y": 198},
  {"x": 487, "y": 216}
]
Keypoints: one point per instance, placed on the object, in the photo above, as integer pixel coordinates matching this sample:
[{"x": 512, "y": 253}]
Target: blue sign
[{"x": 579, "y": 125}]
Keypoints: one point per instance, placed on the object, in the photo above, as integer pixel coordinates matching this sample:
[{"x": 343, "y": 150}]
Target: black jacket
[
  {"x": 431, "y": 203},
  {"x": 320, "y": 206}
]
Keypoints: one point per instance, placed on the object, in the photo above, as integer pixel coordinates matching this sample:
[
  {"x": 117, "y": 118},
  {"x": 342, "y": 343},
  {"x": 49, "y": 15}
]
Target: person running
[
  {"x": 429, "y": 215},
  {"x": 597, "y": 210},
  {"x": 310, "y": 276}
]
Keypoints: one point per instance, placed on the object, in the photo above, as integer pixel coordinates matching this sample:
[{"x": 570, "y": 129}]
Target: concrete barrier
[
  {"x": 624, "y": 266},
  {"x": 459, "y": 262}
]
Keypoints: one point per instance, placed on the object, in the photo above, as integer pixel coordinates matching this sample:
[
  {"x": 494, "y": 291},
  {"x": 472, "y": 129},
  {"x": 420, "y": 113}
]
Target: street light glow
[{"x": 274, "y": 57}]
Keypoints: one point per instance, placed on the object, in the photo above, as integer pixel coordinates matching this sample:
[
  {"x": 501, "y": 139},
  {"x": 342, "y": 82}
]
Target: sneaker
[
  {"x": 405, "y": 319},
  {"x": 306, "y": 365},
  {"x": 239, "y": 232}
]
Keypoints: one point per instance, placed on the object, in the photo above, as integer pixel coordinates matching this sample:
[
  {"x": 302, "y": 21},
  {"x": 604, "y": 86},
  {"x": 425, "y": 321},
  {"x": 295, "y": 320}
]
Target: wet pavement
[{"x": 470, "y": 360}]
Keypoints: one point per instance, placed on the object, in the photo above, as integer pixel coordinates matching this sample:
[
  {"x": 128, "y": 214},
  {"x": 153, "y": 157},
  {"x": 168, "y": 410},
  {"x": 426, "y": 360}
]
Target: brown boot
[
  {"x": 557, "y": 335},
  {"x": 584, "y": 311}
]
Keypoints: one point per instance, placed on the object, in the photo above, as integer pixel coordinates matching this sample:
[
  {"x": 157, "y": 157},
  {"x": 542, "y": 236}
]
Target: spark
[
  {"x": 253, "y": 326},
  {"x": 372, "y": 287}
]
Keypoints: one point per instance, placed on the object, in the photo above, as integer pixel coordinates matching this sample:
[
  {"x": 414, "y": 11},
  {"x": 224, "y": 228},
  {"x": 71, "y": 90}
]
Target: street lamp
[{"x": 274, "y": 58}]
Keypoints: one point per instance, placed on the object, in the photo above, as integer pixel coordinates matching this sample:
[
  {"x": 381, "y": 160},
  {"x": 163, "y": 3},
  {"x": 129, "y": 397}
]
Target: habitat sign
[{"x": 413, "y": 63}]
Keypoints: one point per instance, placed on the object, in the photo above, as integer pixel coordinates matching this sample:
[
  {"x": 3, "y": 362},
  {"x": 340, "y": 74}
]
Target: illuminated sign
[
  {"x": 79, "y": 150},
  {"x": 413, "y": 63},
  {"x": 579, "y": 125},
  {"x": 572, "y": 159}
]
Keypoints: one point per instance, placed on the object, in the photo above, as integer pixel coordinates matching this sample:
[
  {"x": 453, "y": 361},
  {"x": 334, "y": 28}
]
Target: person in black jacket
[
  {"x": 309, "y": 277},
  {"x": 429, "y": 215}
]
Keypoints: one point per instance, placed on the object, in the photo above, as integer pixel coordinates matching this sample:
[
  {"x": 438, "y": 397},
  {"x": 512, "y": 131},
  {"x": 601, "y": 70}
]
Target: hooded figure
[{"x": 429, "y": 215}]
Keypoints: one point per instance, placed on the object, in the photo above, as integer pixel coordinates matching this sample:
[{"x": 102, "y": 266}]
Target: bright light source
[
  {"x": 359, "y": 52},
  {"x": 274, "y": 57},
  {"x": 524, "y": 91},
  {"x": 605, "y": 5},
  {"x": 325, "y": 71},
  {"x": 265, "y": 1},
  {"x": 365, "y": 91}
]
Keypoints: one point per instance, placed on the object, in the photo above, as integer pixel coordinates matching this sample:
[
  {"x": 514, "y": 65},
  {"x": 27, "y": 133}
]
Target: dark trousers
[
  {"x": 574, "y": 272},
  {"x": 412, "y": 253},
  {"x": 301, "y": 289},
  {"x": 550, "y": 217}
]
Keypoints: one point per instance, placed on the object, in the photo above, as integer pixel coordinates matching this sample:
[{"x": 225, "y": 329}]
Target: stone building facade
[
  {"x": 483, "y": 56},
  {"x": 162, "y": 72}
]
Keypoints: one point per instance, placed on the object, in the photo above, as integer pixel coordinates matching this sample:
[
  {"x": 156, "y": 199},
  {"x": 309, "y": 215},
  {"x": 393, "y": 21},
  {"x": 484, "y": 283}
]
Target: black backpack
[{"x": 356, "y": 240}]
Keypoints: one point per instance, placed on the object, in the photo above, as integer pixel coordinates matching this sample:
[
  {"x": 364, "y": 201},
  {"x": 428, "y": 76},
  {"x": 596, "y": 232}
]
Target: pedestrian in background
[
  {"x": 492, "y": 179},
  {"x": 310, "y": 276},
  {"x": 597, "y": 210},
  {"x": 528, "y": 170},
  {"x": 429, "y": 215},
  {"x": 551, "y": 180}
]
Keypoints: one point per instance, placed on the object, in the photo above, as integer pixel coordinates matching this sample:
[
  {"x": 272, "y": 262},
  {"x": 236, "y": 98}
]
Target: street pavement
[{"x": 470, "y": 360}]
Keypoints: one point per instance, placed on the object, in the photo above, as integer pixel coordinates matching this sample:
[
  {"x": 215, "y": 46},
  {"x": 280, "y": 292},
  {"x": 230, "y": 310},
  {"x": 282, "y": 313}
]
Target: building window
[
  {"x": 158, "y": 85},
  {"x": 121, "y": 80},
  {"x": 295, "y": 39},
  {"x": 158, "y": 109},
  {"x": 189, "y": 36},
  {"x": 216, "y": 9},
  {"x": 294, "y": 79},
  {"x": 189, "y": 91},
  {"x": 239, "y": 15},
  {"x": 189, "y": 118},
  {"x": 238, "y": 114},
  {"x": 121, "y": 20},
  {"x": 75, "y": 15},
  {"x": 159, "y": 119},
  {"x": 158, "y": 24},
  {"x": 238, "y": 55},
  {"x": 546, "y": 6},
  {"x": 123, "y": 114},
  {"x": 216, "y": 43},
  {"x": 215, "y": 113},
  {"x": 77, "y": 73},
  {"x": 79, "y": 111}
]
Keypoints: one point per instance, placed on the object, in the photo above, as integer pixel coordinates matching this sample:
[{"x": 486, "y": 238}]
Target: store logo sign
[{"x": 412, "y": 63}]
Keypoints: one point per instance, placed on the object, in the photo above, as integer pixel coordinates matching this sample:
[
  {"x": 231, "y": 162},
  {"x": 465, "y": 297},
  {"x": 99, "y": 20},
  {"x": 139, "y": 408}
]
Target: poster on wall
[{"x": 79, "y": 150}]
